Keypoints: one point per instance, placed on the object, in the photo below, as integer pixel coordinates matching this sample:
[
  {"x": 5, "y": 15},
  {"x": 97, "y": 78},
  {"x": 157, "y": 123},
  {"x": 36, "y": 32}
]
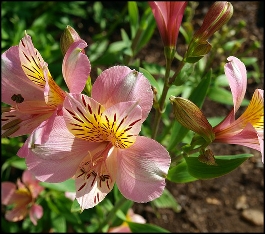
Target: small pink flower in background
[
  {"x": 29, "y": 89},
  {"x": 131, "y": 217},
  {"x": 247, "y": 130},
  {"x": 23, "y": 196},
  {"x": 97, "y": 141},
  {"x": 168, "y": 16}
]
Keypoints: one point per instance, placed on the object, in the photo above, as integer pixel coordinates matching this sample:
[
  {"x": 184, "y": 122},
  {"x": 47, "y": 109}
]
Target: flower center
[{"x": 91, "y": 122}]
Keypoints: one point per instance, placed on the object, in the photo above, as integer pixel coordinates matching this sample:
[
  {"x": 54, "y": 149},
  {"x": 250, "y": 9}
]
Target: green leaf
[
  {"x": 75, "y": 207},
  {"x": 147, "y": 27},
  {"x": 221, "y": 95},
  {"x": 19, "y": 163},
  {"x": 58, "y": 223},
  {"x": 146, "y": 228},
  {"x": 151, "y": 79},
  {"x": 197, "y": 96},
  {"x": 66, "y": 186},
  {"x": 184, "y": 74},
  {"x": 166, "y": 200},
  {"x": 225, "y": 164},
  {"x": 180, "y": 174},
  {"x": 249, "y": 61},
  {"x": 133, "y": 16}
]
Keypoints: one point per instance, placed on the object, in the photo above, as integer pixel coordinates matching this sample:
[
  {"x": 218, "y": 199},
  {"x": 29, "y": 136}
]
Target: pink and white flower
[
  {"x": 29, "y": 89},
  {"x": 97, "y": 142},
  {"x": 23, "y": 196},
  {"x": 246, "y": 130}
]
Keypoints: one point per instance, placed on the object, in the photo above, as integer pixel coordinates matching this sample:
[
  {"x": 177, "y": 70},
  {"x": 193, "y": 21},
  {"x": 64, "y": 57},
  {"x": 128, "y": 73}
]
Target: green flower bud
[
  {"x": 68, "y": 37},
  {"x": 191, "y": 117}
]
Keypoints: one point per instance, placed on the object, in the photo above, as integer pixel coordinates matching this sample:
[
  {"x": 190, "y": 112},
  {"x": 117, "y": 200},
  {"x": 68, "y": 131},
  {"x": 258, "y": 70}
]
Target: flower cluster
[
  {"x": 93, "y": 139},
  {"x": 23, "y": 196}
]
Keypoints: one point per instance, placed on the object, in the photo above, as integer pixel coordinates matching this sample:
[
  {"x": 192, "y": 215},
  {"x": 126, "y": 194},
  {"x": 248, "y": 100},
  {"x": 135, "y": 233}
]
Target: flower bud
[
  {"x": 191, "y": 117},
  {"x": 218, "y": 15},
  {"x": 68, "y": 37}
]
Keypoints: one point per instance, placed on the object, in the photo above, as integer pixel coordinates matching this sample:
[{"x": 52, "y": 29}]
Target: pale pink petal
[
  {"x": 142, "y": 170},
  {"x": 76, "y": 67},
  {"x": 18, "y": 213},
  {"x": 28, "y": 178},
  {"x": 35, "y": 213},
  {"x": 135, "y": 217},
  {"x": 90, "y": 187},
  {"x": 121, "y": 84},
  {"x": 236, "y": 74},
  {"x": 16, "y": 123},
  {"x": 14, "y": 80},
  {"x": 70, "y": 195},
  {"x": 122, "y": 229},
  {"x": 228, "y": 120},
  {"x": 7, "y": 191},
  {"x": 32, "y": 183},
  {"x": 56, "y": 159},
  {"x": 261, "y": 143},
  {"x": 247, "y": 137}
]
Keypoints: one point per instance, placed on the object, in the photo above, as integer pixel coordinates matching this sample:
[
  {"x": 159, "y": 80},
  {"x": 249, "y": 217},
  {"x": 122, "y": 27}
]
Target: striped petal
[
  {"x": 236, "y": 73},
  {"x": 142, "y": 170}
]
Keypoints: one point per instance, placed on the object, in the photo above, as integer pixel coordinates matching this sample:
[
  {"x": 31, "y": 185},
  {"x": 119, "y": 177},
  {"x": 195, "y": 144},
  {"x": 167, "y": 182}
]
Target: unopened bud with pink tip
[
  {"x": 191, "y": 117},
  {"x": 218, "y": 15}
]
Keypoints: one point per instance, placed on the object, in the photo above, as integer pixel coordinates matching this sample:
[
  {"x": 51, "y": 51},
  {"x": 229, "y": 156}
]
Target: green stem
[
  {"x": 160, "y": 108},
  {"x": 167, "y": 83},
  {"x": 111, "y": 214}
]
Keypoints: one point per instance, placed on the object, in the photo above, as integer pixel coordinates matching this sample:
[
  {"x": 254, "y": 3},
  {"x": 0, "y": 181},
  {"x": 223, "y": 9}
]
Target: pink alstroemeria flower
[
  {"x": 23, "y": 196},
  {"x": 28, "y": 87},
  {"x": 96, "y": 141},
  {"x": 247, "y": 130},
  {"x": 168, "y": 16}
]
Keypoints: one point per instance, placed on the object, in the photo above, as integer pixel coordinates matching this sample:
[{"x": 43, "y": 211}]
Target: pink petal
[
  {"x": 135, "y": 217},
  {"x": 122, "y": 229},
  {"x": 228, "y": 120},
  {"x": 90, "y": 188},
  {"x": 32, "y": 183},
  {"x": 247, "y": 137},
  {"x": 261, "y": 143},
  {"x": 12, "y": 75},
  {"x": 7, "y": 191},
  {"x": 236, "y": 73},
  {"x": 142, "y": 170},
  {"x": 58, "y": 158},
  {"x": 76, "y": 67},
  {"x": 121, "y": 84},
  {"x": 35, "y": 213},
  {"x": 17, "y": 214},
  {"x": 26, "y": 123}
]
